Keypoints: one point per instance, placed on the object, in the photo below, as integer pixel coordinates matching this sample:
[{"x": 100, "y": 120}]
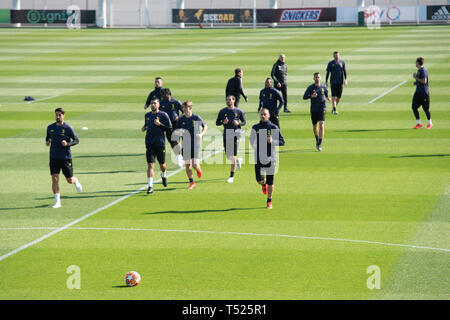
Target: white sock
[
  {"x": 150, "y": 182},
  {"x": 429, "y": 121},
  {"x": 419, "y": 122},
  {"x": 57, "y": 197}
]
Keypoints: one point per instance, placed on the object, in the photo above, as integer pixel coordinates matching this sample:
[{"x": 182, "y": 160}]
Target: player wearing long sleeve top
[
  {"x": 264, "y": 137},
  {"x": 271, "y": 99},
  {"x": 156, "y": 124},
  {"x": 60, "y": 137},
  {"x": 318, "y": 94},
  {"x": 232, "y": 119}
]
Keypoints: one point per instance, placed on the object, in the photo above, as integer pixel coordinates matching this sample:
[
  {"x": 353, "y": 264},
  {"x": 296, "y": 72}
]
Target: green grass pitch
[{"x": 378, "y": 194}]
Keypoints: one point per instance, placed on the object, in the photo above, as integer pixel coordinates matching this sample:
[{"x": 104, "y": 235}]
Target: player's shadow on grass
[
  {"x": 31, "y": 207},
  {"x": 298, "y": 151},
  {"x": 94, "y": 194},
  {"x": 210, "y": 180},
  {"x": 296, "y": 115},
  {"x": 200, "y": 211},
  {"x": 422, "y": 155},
  {"x": 163, "y": 189},
  {"x": 110, "y": 155},
  {"x": 180, "y": 182},
  {"x": 107, "y": 172},
  {"x": 370, "y": 130}
]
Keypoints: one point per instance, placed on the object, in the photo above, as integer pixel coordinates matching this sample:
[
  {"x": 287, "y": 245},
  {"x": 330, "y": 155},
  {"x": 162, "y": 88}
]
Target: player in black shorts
[
  {"x": 155, "y": 94},
  {"x": 263, "y": 139},
  {"x": 336, "y": 91},
  {"x": 422, "y": 94},
  {"x": 338, "y": 71},
  {"x": 232, "y": 119},
  {"x": 235, "y": 88},
  {"x": 317, "y": 92},
  {"x": 156, "y": 123},
  {"x": 191, "y": 128},
  {"x": 60, "y": 137},
  {"x": 271, "y": 99},
  {"x": 172, "y": 107}
]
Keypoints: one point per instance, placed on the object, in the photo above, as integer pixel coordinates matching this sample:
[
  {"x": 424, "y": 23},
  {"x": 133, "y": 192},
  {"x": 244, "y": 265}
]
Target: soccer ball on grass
[{"x": 132, "y": 279}]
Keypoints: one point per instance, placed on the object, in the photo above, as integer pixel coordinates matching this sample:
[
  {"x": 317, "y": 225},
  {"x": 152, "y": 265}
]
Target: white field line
[
  {"x": 385, "y": 93},
  {"x": 48, "y": 235},
  {"x": 48, "y": 98},
  {"x": 242, "y": 234}
]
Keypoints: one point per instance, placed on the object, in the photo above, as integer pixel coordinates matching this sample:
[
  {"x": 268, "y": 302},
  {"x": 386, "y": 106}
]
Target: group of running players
[{"x": 172, "y": 120}]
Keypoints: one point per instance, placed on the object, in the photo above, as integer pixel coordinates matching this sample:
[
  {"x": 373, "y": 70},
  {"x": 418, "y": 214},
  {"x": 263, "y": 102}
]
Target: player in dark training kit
[
  {"x": 234, "y": 86},
  {"x": 156, "y": 124},
  {"x": 279, "y": 76},
  {"x": 271, "y": 99},
  {"x": 317, "y": 92},
  {"x": 188, "y": 126},
  {"x": 422, "y": 94},
  {"x": 263, "y": 139},
  {"x": 155, "y": 94},
  {"x": 336, "y": 68},
  {"x": 172, "y": 107},
  {"x": 60, "y": 137},
  {"x": 232, "y": 119}
]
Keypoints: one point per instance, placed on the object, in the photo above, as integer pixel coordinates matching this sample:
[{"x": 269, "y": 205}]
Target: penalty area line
[
  {"x": 385, "y": 93},
  {"x": 68, "y": 225},
  {"x": 246, "y": 234}
]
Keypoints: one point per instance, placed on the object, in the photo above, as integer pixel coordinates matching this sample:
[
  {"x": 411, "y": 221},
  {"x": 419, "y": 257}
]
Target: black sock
[
  {"x": 317, "y": 139},
  {"x": 191, "y": 180},
  {"x": 319, "y": 142},
  {"x": 269, "y": 199},
  {"x": 231, "y": 174}
]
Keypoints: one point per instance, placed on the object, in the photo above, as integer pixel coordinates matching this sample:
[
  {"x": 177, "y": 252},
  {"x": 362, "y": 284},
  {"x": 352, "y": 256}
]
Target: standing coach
[
  {"x": 279, "y": 76},
  {"x": 234, "y": 87}
]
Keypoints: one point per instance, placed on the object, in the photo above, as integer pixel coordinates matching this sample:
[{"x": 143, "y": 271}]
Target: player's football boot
[
  {"x": 57, "y": 205},
  {"x": 318, "y": 147},
  {"x": 191, "y": 185},
  {"x": 287, "y": 110},
  {"x": 417, "y": 126},
  {"x": 149, "y": 190},
  {"x": 264, "y": 188},
  {"x": 429, "y": 126},
  {"x": 164, "y": 180},
  {"x": 239, "y": 163},
  {"x": 199, "y": 173},
  {"x": 78, "y": 186},
  {"x": 230, "y": 180},
  {"x": 180, "y": 161},
  {"x": 269, "y": 205}
]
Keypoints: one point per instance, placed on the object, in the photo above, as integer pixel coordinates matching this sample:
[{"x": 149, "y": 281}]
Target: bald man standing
[{"x": 279, "y": 76}]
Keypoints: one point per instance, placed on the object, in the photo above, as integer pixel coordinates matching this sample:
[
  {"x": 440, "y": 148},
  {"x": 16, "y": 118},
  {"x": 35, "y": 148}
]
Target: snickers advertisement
[{"x": 296, "y": 15}]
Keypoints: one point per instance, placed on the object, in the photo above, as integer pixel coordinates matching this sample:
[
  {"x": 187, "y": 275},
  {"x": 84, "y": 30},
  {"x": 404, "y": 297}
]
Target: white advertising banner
[{"x": 391, "y": 14}]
